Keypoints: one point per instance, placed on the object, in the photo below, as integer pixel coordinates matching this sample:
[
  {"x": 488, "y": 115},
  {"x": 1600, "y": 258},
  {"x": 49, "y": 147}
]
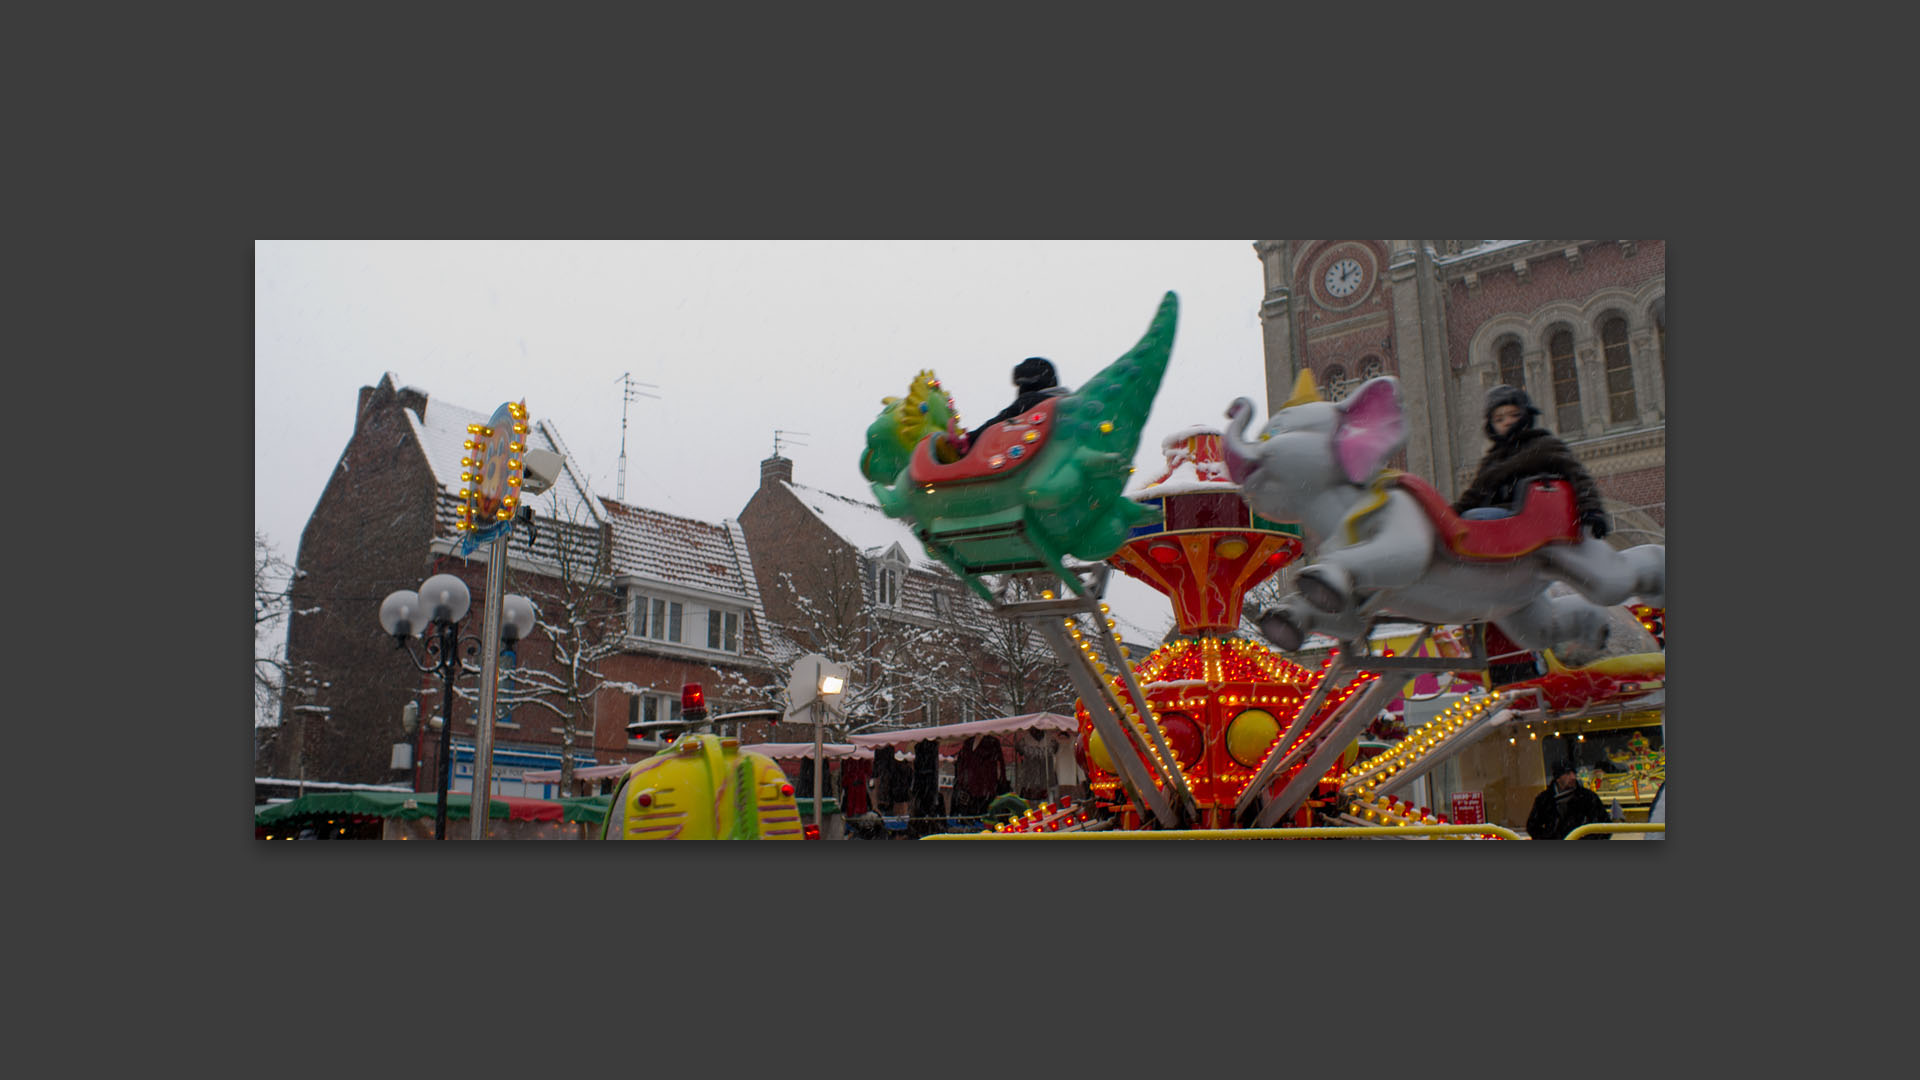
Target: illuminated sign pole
[{"x": 496, "y": 468}]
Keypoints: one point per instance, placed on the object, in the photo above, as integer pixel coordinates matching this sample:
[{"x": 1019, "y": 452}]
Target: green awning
[
  {"x": 406, "y": 805},
  {"x": 591, "y": 809}
]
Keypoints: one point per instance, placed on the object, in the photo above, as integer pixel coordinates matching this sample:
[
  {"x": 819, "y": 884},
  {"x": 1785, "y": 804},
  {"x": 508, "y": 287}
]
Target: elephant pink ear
[{"x": 1371, "y": 428}]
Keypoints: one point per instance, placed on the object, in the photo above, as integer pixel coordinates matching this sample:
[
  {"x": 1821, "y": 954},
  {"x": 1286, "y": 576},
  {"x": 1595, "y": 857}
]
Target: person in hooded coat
[
  {"x": 1521, "y": 451},
  {"x": 1035, "y": 380}
]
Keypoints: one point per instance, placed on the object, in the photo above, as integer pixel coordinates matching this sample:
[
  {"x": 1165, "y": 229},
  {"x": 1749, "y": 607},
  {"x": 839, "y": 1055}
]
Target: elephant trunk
[{"x": 1242, "y": 455}]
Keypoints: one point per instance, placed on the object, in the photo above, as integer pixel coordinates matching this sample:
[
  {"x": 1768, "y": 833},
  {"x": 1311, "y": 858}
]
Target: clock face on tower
[{"x": 1343, "y": 278}]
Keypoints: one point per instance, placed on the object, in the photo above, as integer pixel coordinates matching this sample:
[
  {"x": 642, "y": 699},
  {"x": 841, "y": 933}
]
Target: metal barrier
[
  {"x": 1617, "y": 827},
  {"x": 1318, "y": 832},
  {"x": 1314, "y": 833}
]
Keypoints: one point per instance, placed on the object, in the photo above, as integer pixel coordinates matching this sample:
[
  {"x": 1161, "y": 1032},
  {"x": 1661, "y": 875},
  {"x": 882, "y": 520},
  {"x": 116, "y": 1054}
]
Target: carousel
[{"x": 1405, "y": 605}]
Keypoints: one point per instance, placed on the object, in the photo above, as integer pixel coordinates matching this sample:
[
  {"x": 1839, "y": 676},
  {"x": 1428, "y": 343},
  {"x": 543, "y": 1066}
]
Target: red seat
[
  {"x": 1547, "y": 515},
  {"x": 1003, "y": 448}
]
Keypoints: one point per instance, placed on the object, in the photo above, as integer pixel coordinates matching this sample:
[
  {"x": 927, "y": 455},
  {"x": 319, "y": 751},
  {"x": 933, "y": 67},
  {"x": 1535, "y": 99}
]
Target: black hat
[
  {"x": 1510, "y": 395},
  {"x": 1034, "y": 373},
  {"x": 1565, "y": 767}
]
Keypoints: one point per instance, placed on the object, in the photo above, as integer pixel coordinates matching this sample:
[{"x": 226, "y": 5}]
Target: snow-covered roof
[
  {"x": 1187, "y": 478},
  {"x": 444, "y": 428},
  {"x": 652, "y": 544},
  {"x": 862, "y": 524},
  {"x": 871, "y": 532},
  {"x": 1194, "y": 464},
  {"x": 1042, "y": 721}
]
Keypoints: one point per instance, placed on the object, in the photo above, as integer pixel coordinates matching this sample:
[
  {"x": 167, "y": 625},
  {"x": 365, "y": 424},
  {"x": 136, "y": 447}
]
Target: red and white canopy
[
  {"x": 793, "y": 750},
  {"x": 585, "y": 772},
  {"x": 906, "y": 737}
]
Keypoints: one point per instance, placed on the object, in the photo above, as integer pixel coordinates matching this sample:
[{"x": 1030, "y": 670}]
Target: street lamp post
[
  {"x": 814, "y": 679},
  {"x": 439, "y": 605}
]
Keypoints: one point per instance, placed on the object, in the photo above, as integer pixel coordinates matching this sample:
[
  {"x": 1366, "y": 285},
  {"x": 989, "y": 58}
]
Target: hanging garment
[
  {"x": 893, "y": 779},
  {"x": 990, "y": 768},
  {"x": 926, "y": 778},
  {"x": 1033, "y": 773},
  {"x": 853, "y": 780}
]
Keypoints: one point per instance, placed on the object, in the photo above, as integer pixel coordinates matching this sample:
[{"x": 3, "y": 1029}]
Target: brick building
[
  {"x": 838, "y": 576},
  {"x": 1580, "y": 324},
  {"x": 676, "y": 601}
]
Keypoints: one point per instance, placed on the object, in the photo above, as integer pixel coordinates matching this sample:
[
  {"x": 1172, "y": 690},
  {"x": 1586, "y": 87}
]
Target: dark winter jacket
[
  {"x": 1025, "y": 401},
  {"x": 892, "y": 779},
  {"x": 1552, "y": 821},
  {"x": 1525, "y": 453},
  {"x": 926, "y": 777}
]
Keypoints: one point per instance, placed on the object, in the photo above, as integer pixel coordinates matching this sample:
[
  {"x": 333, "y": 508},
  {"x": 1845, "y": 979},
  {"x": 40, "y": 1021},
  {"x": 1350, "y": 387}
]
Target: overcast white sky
[{"x": 740, "y": 338}]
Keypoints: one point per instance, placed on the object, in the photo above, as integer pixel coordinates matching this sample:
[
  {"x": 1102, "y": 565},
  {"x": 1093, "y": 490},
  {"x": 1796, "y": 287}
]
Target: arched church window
[
  {"x": 1371, "y": 368},
  {"x": 1512, "y": 372},
  {"x": 1660, "y": 330},
  {"x": 1621, "y": 407},
  {"x": 1566, "y": 382},
  {"x": 1333, "y": 384}
]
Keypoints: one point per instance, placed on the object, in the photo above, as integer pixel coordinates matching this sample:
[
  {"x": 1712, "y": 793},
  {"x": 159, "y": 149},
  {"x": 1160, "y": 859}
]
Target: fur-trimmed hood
[{"x": 1527, "y": 452}]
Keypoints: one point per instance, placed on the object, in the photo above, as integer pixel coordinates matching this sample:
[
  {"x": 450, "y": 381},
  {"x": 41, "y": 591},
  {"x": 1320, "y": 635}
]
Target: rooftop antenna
[
  {"x": 628, "y": 392},
  {"x": 787, "y": 437}
]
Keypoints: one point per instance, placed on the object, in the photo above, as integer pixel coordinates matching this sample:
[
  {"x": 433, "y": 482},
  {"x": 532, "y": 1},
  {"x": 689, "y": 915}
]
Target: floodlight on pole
[{"x": 815, "y": 679}]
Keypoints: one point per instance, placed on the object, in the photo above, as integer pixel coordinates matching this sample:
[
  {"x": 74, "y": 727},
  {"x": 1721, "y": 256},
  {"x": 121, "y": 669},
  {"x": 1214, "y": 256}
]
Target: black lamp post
[
  {"x": 443, "y": 600},
  {"x": 440, "y": 604}
]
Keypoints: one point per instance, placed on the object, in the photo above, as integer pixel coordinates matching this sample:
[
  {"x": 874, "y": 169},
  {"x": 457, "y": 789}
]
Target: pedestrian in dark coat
[
  {"x": 1565, "y": 806},
  {"x": 1521, "y": 451}
]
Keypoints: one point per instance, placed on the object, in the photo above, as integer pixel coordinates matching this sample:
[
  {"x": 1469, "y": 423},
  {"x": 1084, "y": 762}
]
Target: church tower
[
  {"x": 1348, "y": 310},
  {"x": 1579, "y": 324}
]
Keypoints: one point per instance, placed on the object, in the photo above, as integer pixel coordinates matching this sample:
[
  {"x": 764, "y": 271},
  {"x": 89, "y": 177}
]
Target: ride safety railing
[
  {"x": 1326, "y": 832},
  {"x": 1617, "y": 827}
]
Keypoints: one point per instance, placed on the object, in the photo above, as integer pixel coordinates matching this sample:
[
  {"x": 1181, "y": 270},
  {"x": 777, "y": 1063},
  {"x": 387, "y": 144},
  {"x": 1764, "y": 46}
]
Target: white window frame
[
  {"x": 665, "y": 706},
  {"x": 650, "y": 610},
  {"x": 723, "y": 630}
]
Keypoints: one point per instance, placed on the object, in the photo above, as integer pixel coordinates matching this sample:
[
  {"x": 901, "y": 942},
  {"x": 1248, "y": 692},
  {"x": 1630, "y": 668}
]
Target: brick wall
[
  {"x": 371, "y": 534},
  {"x": 1642, "y": 487},
  {"x": 1347, "y": 336},
  {"x": 366, "y": 538},
  {"x": 1549, "y": 278}
]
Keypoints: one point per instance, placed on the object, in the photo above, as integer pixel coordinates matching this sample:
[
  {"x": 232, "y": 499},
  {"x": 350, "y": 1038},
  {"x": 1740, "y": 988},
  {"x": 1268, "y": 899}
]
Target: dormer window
[{"x": 889, "y": 572}]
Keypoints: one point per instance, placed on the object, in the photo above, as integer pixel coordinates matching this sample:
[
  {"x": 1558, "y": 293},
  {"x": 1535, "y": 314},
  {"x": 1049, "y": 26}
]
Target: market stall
[
  {"x": 389, "y": 815},
  {"x": 1031, "y": 753}
]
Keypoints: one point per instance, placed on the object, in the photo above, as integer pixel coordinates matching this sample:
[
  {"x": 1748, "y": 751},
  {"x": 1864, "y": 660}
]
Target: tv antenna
[
  {"x": 628, "y": 391},
  {"x": 787, "y": 437}
]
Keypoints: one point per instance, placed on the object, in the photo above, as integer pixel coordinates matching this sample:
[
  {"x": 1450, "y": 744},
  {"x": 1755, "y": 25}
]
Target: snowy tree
[
  {"x": 272, "y": 597},
  {"x": 970, "y": 658},
  {"x": 838, "y": 619},
  {"x": 1015, "y": 672},
  {"x": 579, "y": 618}
]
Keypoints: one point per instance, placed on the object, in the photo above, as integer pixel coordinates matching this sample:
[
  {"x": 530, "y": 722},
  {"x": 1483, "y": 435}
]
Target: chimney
[
  {"x": 775, "y": 468},
  {"x": 416, "y": 400}
]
